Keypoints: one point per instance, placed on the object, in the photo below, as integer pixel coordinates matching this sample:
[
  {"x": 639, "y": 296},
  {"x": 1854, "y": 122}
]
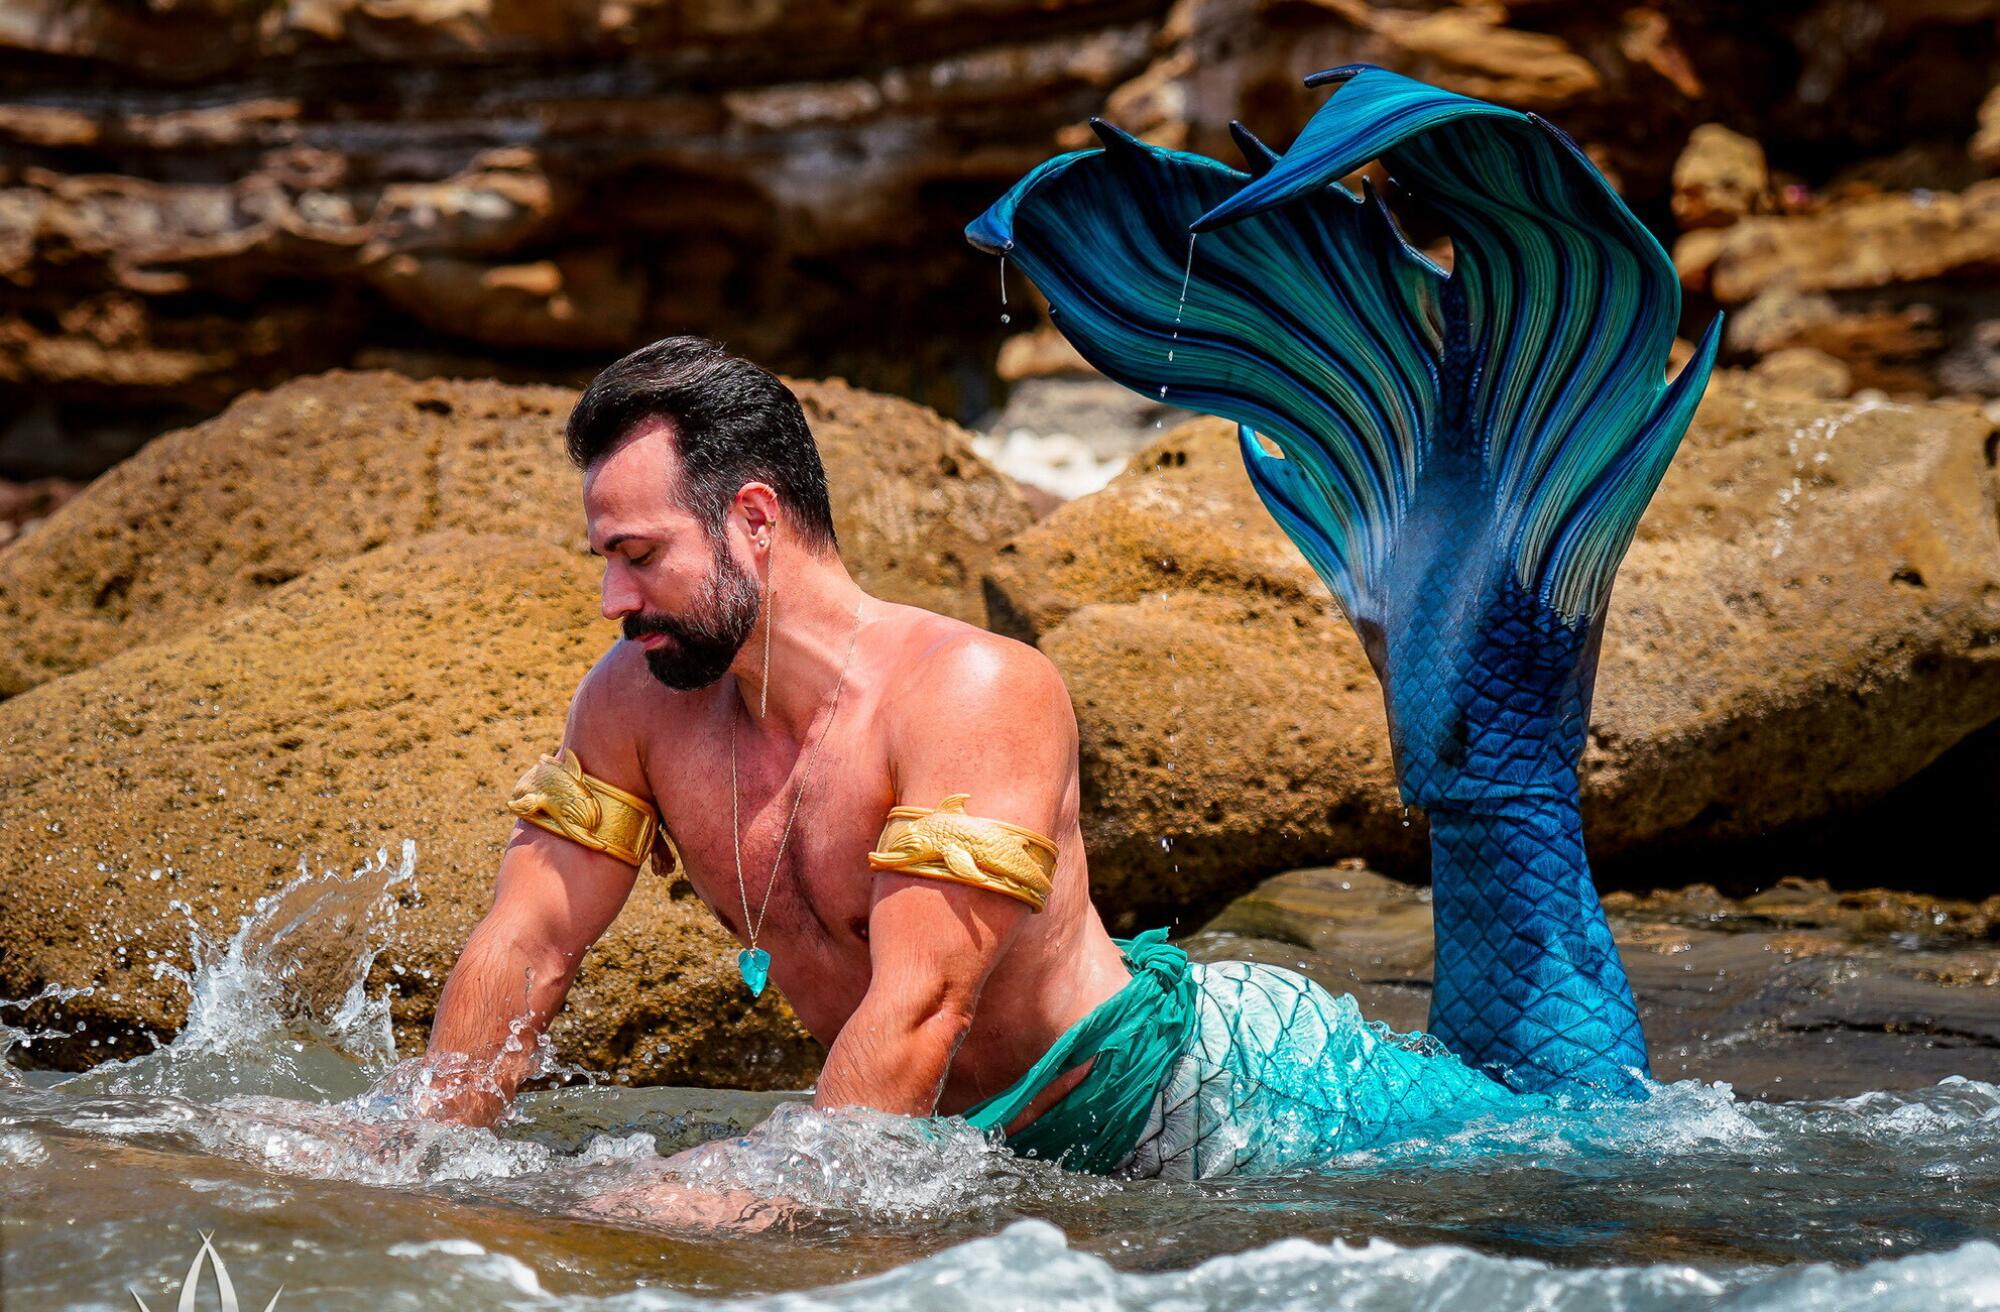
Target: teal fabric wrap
[{"x": 1135, "y": 1036}]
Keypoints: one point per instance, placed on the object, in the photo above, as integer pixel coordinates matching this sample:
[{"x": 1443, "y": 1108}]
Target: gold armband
[
  {"x": 946, "y": 843},
  {"x": 558, "y": 796}
]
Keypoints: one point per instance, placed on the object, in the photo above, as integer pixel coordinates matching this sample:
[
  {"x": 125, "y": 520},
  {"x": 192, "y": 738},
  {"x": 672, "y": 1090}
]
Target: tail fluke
[
  {"x": 1315, "y": 325},
  {"x": 1462, "y": 457}
]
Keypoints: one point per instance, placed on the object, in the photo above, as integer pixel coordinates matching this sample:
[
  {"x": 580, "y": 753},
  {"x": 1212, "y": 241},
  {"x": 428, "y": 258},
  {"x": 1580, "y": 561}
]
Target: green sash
[{"x": 1135, "y": 1035}]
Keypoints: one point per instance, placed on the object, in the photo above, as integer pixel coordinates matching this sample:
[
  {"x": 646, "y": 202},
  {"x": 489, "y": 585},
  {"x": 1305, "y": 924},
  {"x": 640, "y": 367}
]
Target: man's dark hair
[{"x": 733, "y": 423}]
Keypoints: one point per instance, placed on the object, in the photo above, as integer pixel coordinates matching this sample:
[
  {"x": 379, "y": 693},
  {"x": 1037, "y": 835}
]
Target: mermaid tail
[{"x": 1462, "y": 457}]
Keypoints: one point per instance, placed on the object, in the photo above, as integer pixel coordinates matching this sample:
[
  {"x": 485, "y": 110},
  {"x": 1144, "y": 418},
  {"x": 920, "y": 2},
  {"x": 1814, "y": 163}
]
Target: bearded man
[{"x": 880, "y": 804}]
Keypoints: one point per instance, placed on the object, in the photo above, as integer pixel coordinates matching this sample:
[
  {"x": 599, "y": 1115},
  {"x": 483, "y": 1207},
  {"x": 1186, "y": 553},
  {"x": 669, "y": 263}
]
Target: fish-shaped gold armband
[
  {"x": 943, "y": 842},
  {"x": 556, "y": 795}
]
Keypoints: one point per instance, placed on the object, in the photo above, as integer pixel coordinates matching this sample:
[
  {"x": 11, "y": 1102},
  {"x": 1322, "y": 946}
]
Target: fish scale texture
[
  {"x": 1463, "y": 456},
  {"x": 1530, "y": 986},
  {"x": 1281, "y": 1073}
]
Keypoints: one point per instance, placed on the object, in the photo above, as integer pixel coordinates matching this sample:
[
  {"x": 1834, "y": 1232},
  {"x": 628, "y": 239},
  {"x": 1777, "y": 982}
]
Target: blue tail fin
[{"x": 1463, "y": 458}]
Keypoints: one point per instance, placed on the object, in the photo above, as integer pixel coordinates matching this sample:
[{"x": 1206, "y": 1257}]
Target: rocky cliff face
[
  {"x": 351, "y": 611},
  {"x": 201, "y": 198},
  {"x": 1808, "y": 615},
  {"x": 198, "y": 200}
]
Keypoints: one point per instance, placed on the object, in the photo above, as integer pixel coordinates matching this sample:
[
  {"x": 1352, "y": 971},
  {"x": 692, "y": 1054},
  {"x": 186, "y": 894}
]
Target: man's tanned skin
[{"x": 930, "y": 995}]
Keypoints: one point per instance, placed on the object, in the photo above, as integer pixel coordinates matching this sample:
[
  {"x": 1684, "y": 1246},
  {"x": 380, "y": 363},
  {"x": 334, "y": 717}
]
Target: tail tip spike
[{"x": 1257, "y": 156}]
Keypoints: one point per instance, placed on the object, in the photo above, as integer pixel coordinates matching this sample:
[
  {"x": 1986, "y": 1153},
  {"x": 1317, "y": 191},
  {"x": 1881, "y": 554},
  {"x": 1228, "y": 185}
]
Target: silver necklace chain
[{"x": 735, "y": 822}]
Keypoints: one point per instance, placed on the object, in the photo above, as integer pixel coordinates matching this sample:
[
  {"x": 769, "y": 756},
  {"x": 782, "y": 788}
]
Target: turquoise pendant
[{"x": 754, "y": 964}]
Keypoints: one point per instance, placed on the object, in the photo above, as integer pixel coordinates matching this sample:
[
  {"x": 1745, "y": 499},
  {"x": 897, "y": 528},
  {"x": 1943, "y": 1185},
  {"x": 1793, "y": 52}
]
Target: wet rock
[
  {"x": 325, "y": 468},
  {"x": 1808, "y": 615},
  {"x": 1798, "y": 992},
  {"x": 396, "y": 694}
]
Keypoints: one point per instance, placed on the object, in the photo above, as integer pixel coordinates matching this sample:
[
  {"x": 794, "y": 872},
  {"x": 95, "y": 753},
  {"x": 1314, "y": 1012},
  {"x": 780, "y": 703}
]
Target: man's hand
[
  {"x": 552, "y": 900},
  {"x": 667, "y": 1204},
  {"x": 980, "y": 715}
]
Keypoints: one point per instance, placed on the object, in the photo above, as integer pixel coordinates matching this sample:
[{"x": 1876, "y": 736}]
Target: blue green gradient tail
[{"x": 1462, "y": 457}]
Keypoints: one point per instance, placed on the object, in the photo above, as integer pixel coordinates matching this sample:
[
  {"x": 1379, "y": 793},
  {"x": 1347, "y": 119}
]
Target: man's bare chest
[{"x": 784, "y": 851}]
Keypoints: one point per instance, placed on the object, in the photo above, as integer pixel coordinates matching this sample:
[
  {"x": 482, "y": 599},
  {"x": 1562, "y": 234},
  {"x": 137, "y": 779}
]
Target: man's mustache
[{"x": 640, "y": 625}]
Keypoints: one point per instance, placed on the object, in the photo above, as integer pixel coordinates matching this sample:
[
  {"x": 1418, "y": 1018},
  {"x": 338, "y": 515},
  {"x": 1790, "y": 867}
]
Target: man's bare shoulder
[
  {"x": 616, "y": 709},
  {"x": 949, "y": 667}
]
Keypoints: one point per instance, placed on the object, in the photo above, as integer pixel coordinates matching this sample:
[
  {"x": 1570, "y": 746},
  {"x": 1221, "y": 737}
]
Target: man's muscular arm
[
  {"x": 551, "y": 901},
  {"x": 980, "y": 715}
]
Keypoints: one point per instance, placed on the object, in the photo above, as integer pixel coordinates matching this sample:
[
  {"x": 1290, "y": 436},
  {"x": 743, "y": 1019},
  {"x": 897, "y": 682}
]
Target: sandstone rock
[
  {"x": 396, "y": 694},
  {"x": 1803, "y": 370},
  {"x": 1720, "y": 177},
  {"x": 1229, "y": 718},
  {"x": 1985, "y": 147},
  {"x": 1888, "y": 342},
  {"x": 1809, "y": 614},
  {"x": 919, "y": 513},
  {"x": 1040, "y": 353},
  {"x": 1631, "y": 87},
  {"x": 327, "y": 467},
  {"x": 25, "y": 505},
  {"x": 1798, "y": 992},
  {"x": 1868, "y": 242},
  {"x": 275, "y": 191},
  {"x": 518, "y": 183},
  {"x": 1470, "y": 49}
]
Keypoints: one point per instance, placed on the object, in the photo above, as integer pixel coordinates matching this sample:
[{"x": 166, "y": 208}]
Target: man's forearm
[
  {"x": 891, "y": 1059},
  {"x": 497, "y": 982}
]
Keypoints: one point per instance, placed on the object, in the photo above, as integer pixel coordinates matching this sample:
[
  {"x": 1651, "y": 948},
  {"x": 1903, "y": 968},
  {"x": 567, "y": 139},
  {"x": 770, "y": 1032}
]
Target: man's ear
[{"x": 757, "y": 504}]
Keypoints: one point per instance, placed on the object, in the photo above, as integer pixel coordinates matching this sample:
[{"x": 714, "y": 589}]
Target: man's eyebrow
[{"x": 614, "y": 542}]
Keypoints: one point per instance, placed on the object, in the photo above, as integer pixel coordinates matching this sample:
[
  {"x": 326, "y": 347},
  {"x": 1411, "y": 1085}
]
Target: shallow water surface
[{"x": 254, "y": 1125}]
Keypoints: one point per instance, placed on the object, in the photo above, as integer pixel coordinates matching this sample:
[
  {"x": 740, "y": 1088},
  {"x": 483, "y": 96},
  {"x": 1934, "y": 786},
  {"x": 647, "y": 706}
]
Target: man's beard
[{"x": 704, "y": 644}]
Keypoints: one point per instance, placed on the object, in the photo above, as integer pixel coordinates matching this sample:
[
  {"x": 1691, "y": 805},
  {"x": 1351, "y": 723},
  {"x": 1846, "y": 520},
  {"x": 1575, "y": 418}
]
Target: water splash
[
  {"x": 286, "y": 1063},
  {"x": 871, "y": 1164},
  {"x": 1030, "y": 1265},
  {"x": 15, "y": 1036},
  {"x": 282, "y": 1007},
  {"x": 321, "y": 1149},
  {"x": 1809, "y": 448}
]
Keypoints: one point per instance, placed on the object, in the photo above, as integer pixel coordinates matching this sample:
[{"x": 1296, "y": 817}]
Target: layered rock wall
[{"x": 198, "y": 199}]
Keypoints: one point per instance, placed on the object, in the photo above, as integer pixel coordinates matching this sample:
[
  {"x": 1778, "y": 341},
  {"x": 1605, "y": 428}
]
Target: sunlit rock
[
  {"x": 1808, "y": 615},
  {"x": 324, "y": 468}
]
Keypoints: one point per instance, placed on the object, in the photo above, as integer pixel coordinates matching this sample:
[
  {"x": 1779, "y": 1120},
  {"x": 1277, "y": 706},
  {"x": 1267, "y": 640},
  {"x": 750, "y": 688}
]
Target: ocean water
[{"x": 254, "y": 1126}]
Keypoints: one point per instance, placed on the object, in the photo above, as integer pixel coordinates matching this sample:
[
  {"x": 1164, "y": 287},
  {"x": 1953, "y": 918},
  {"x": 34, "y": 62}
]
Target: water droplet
[{"x": 1186, "y": 274}]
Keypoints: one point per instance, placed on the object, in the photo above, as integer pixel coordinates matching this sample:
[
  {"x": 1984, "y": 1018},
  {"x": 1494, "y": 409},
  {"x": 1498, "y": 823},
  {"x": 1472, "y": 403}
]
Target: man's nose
[{"x": 620, "y": 598}]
